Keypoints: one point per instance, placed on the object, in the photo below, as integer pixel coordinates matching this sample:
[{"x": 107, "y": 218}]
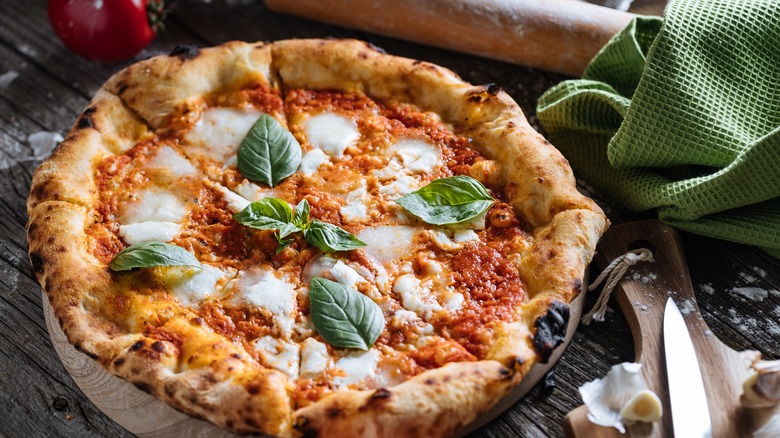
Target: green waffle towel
[{"x": 682, "y": 114}]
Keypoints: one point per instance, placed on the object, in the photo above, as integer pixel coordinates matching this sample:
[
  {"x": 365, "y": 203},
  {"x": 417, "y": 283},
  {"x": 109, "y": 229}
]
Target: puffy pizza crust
[{"x": 224, "y": 388}]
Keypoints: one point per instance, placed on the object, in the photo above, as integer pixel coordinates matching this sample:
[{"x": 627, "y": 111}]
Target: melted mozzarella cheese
[
  {"x": 356, "y": 367},
  {"x": 318, "y": 267},
  {"x": 458, "y": 240},
  {"x": 220, "y": 130},
  {"x": 387, "y": 243},
  {"x": 346, "y": 275},
  {"x": 331, "y": 132},
  {"x": 169, "y": 160},
  {"x": 154, "y": 204},
  {"x": 414, "y": 296},
  {"x": 454, "y": 302},
  {"x": 403, "y": 185},
  {"x": 252, "y": 192},
  {"x": 195, "y": 285},
  {"x": 392, "y": 170},
  {"x": 235, "y": 202},
  {"x": 312, "y": 160},
  {"x": 280, "y": 355},
  {"x": 417, "y": 156},
  {"x": 262, "y": 289},
  {"x": 149, "y": 231},
  {"x": 314, "y": 358},
  {"x": 356, "y": 209}
]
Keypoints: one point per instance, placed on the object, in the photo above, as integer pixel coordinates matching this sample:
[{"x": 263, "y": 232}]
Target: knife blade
[{"x": 688, "y": 399}]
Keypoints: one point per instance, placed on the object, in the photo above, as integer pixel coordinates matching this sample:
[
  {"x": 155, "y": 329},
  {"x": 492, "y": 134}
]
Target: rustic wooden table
[{"x": 47, "y": 88}]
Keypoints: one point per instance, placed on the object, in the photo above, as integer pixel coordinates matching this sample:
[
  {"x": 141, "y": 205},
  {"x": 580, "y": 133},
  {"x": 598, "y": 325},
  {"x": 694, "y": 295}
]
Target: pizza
[{"x": 310, "y": 237}]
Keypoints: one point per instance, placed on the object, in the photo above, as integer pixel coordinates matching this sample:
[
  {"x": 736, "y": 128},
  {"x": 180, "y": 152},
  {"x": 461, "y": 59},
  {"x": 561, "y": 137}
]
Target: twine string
[{"x": 613, "y": 274}]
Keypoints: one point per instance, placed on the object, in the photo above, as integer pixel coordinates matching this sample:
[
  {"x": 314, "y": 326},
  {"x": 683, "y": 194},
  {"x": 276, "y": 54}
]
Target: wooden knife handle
[{"x": 555, "y": 35}]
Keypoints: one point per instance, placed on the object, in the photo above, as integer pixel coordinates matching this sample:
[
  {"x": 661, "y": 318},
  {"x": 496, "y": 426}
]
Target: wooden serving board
[
  {"x": 642, "y": 295},
  {"x": 147, "y": 417}
]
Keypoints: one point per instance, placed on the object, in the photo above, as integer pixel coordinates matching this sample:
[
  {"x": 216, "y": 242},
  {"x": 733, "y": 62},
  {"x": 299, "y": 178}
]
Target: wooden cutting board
[
  {"x": 147, "y": 417},
  {"x": 642, "y": 295}
]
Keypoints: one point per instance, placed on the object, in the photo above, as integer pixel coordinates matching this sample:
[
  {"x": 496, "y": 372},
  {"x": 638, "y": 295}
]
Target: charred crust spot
[
  {"x": 576, "y": 284},
  {"x": 229, "y": 423},
  {"x": 185, "y": 51},
  {"x": 236, "y": 356},
  {"x": 137, "y": 346},
  {"x": 50, "y": 240},
  {"x": 210, "y": 378},
  {"x": 158, "y": 347},
  {"x": 551, "y": 254},
  {"x": 381, "y": 394},
  {"x": 144, "y": 387},
  {"x": 37, "y": 263},
  {"x": 429, "y": 381},
  {"x": 250, "y": 422},
  {"x": 119, "y": 362},
  {"x": 92, "y": 355},
  {"x": 122, "y": 87},
  {"x": 492, "y": 89},
  {"x": 253, "y": 388},
  {"x": 61, "y": 249},
  {"x": 551, "y": 329},
  {"x": 85, "y": 120},
  {"x": 169, "y": 392},
  {"x": 505, "y": 372},
  {"x": 333, "y": 412}
]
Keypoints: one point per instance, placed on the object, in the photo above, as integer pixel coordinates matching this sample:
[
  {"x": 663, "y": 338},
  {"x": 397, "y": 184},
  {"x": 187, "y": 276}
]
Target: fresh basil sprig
[
  {"x": 448, "y": 200},
  {"x": 269, "y": 153},
  {"x": 149, "y": 254},
  {"x": 344, "y": 317},
  {"x": 276, "y": 214}
]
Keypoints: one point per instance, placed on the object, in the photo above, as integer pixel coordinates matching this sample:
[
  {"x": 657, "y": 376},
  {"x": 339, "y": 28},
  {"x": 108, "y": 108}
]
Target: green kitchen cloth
[{"x": 683, "y": 115}]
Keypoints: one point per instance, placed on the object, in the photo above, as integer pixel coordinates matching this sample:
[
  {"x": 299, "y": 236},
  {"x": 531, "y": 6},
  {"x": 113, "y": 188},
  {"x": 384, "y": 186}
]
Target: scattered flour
[
  {"x": 687, "y": 307},
  {"x": 707, "y": 288},
  {"x": 750, "y": 278},
  {"x": 644, "y": 279},
  {"x": 751, "y": 293},
  {"x": 761, "y": 273},
  {"x": 8, "y": 77},
  {"x": 707, "y": 332}
]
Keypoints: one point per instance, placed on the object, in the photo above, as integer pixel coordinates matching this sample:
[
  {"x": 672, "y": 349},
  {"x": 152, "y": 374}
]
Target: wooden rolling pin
[{"x": 555, "y": 35}]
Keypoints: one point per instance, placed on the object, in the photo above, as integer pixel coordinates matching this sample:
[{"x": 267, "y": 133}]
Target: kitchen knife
[{"x": 690, "y": 411}]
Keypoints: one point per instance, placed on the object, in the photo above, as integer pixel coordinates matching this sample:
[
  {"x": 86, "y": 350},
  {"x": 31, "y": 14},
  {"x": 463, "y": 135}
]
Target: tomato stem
[{"x": 155, "y": 13}]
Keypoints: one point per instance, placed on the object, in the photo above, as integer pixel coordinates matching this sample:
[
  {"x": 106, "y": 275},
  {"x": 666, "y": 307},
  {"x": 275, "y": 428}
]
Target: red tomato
[{"x": 106, "y": 30}]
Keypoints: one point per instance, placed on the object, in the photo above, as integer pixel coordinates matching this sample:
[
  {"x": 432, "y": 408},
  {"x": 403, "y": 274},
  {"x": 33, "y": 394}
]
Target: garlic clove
[
  {"x": 644, "y": 406},
  {"x": 606, "y": 397}
]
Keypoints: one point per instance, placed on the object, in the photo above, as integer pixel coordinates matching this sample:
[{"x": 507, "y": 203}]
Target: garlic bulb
[
  {"x": 621, "y": 391},
  {"x": 762, "y": 388}
]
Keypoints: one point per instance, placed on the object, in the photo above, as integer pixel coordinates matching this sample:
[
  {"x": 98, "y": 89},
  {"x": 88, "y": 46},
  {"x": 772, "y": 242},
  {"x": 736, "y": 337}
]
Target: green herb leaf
[
  {"x": 330, "y": 238},
  {"x": 268, "y": 214},
  {"x": 269, "y": 153},
  {"x": 302, "y": 214},
  {"x": 149, "y": 254},
  {"x": 344, "y": 317},
  {"x": 448, "y": 200}
]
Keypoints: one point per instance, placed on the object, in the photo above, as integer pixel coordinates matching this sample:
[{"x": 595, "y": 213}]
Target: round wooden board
[{"x": 147, "y": 417}]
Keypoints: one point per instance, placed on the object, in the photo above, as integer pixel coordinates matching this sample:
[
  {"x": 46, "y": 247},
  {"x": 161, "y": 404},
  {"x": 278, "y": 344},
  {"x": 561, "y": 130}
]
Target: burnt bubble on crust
[
  {"x": 551, "y": 329},
  {"x": 85, "y": 120},
  {"x": 185, "y": 51}
]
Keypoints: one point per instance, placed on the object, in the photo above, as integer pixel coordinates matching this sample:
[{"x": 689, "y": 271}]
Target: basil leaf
[
  {"x": 149, "y": 254},
  {"x": 268, "y": 214},
  {"x": 448, "y": 200},
  {"x": 330, "y": 238},
  {"x": 269, "y": 153},
  {"x": 302, "y": 214},
  {"x": 344, "y": 317}
]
